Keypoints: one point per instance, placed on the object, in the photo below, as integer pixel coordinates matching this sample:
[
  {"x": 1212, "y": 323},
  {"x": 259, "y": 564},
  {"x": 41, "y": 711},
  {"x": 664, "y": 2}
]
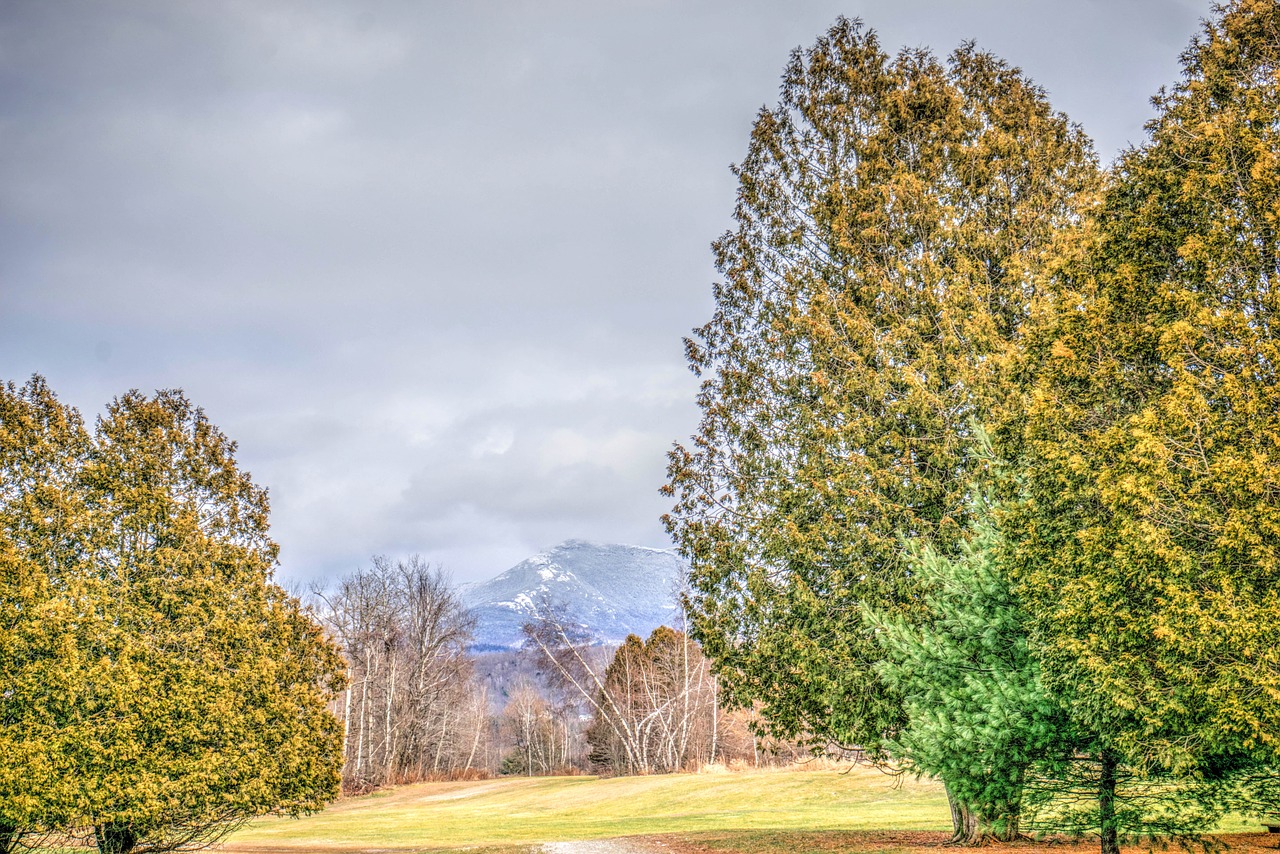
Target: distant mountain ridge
[{"x": 614, "y": 590}]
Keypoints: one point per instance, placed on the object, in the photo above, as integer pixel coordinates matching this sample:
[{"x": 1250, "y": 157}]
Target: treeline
[
  {"x": 987, "y": 481},
  {"x": 411, "y": 709},
  {"x": 414, "y": 707}
]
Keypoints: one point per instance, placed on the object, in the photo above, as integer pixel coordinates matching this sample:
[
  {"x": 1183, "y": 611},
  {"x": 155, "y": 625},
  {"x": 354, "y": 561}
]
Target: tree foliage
[
  {"x": 979, "y": 716},
  {"x": 1147, "y": 548},
  {"x": 188, "y": 692},
  {"x": 47, "y": 623},
  {"x": 891, "y": 212},
  {"x": 920, "y": 248}
]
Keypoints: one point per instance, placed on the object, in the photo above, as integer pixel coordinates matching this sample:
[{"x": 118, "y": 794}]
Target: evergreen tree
[
  {"x": 46, "y": 624},
  {"x": 978, "y": 715},
  {"x": 613, "y": 745},
  {"x": 215, "y": 709},
  {"x": 165, "y": 689},
  {"x": 891, "y": 214},
  {"x": 1147, "y": 549}
]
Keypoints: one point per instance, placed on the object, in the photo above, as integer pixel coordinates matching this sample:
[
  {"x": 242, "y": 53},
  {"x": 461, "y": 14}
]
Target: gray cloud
[{"x": 431, "y": 263}]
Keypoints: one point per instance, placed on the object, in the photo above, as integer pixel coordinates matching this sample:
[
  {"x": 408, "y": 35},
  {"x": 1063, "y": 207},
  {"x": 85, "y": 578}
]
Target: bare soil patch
[
  {"x": 926, "y": 842},
  {"x": 605, "y": 846}
]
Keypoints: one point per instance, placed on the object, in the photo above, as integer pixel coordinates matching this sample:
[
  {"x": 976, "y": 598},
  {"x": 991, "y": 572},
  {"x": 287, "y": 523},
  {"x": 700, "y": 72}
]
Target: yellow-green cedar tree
[
  {"x": 892, "y": 215},
  {"x": 1147, "y": 546}
]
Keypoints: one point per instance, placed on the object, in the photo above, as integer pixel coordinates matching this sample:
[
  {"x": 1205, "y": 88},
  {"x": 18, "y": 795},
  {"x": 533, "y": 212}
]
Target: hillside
[{"x": 613, "y": 590}]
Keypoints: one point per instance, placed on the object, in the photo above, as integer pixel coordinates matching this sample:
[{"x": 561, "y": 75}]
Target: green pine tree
[{"x": 978, "y": 715}]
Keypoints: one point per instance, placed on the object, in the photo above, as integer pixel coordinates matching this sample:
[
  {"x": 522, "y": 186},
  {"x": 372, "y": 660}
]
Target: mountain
[{"x": 613, "y": 590}]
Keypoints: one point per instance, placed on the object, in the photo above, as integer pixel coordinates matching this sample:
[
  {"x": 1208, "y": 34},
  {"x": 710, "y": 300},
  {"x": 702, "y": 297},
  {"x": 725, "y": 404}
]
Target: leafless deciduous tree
[
  {"x": 412, "y": 709},
  {"x": 665, "y": 693},
  {"x": 652, "y": 705},
  {"x": 541, "y": 737}
]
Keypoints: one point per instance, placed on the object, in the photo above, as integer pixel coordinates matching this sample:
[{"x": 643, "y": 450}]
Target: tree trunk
[
  {"x": 1008, "y": 826},
  {"x": 115, "y": 838},
  {"x": 957, "y": 817},
  {"x": 346, "y": 721},
  {"x": 390, "y": 726},
  {"x": 1001, "y": 824},
  {"x": 969, "y": 827},
  {"x": 715, "y": 719},
  {"x": 1107, "y": 825},
  {"x": 528, "y": 740},
  {"x": 1005, "y": 821},
  {"x": 444, "y": 732},
  {"x": 1013, "y": 810},
  {"x": 481, "y": 703},
  {"x": 364, "y": 700},
  {"x": 685, "y": 723},
  {"x": 972, "y": 830}
]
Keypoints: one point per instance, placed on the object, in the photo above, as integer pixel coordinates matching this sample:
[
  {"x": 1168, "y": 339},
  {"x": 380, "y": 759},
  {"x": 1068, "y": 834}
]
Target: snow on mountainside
[{"x": 614, "y": 590}]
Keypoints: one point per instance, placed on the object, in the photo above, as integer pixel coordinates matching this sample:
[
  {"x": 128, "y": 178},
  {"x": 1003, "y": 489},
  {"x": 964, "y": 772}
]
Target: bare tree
[
  {"x": 652, "y": 704},
  {"x": 412, "y": 709},
  {"x": 543, "y": 737},
  {"x": 573, "y": 663},
  {"x": 666, "y": 690}
]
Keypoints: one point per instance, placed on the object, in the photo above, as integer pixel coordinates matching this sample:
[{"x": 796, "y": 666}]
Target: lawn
[
  {"x": 515, "y": 813},
  {"x": 813, "y": 809}
]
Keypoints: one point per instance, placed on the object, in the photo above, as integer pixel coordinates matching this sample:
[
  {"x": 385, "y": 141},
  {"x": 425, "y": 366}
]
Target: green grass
[{"x": 507, "y": 812}]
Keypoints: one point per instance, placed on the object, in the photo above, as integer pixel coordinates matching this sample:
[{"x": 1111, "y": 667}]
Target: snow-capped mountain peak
[{"x": 614, "y": 590}]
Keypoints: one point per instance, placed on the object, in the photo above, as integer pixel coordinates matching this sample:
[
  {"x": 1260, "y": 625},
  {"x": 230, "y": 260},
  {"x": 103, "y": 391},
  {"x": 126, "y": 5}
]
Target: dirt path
[{"x": 600, "y": 846}]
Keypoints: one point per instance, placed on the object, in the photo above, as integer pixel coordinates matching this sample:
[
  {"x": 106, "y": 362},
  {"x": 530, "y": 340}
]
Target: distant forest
[{"x": 419, "y": 706}]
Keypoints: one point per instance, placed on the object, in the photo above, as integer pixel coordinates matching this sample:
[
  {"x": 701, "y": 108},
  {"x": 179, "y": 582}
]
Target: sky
[{"x": 430, "y": 263}]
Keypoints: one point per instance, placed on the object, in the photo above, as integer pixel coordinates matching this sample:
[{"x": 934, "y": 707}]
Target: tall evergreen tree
[
  {"x": 1148, "y": 548},
  {"x": 891, "y": 212}
]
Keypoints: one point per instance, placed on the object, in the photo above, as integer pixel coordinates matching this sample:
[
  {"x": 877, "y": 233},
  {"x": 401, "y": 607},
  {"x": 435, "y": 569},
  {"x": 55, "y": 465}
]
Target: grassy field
[
  {"x": 514, "y": 814},
  {"x": 815, "y": 809}
]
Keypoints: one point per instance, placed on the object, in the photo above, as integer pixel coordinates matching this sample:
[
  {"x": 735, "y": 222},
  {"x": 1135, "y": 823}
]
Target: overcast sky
[{"x": 430, "y": 263}]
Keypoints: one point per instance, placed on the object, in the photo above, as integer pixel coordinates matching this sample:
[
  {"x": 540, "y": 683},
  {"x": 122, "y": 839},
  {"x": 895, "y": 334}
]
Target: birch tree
[
  {"x": 665, "y": 694},
  {"x": 412, "y": 708}
]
